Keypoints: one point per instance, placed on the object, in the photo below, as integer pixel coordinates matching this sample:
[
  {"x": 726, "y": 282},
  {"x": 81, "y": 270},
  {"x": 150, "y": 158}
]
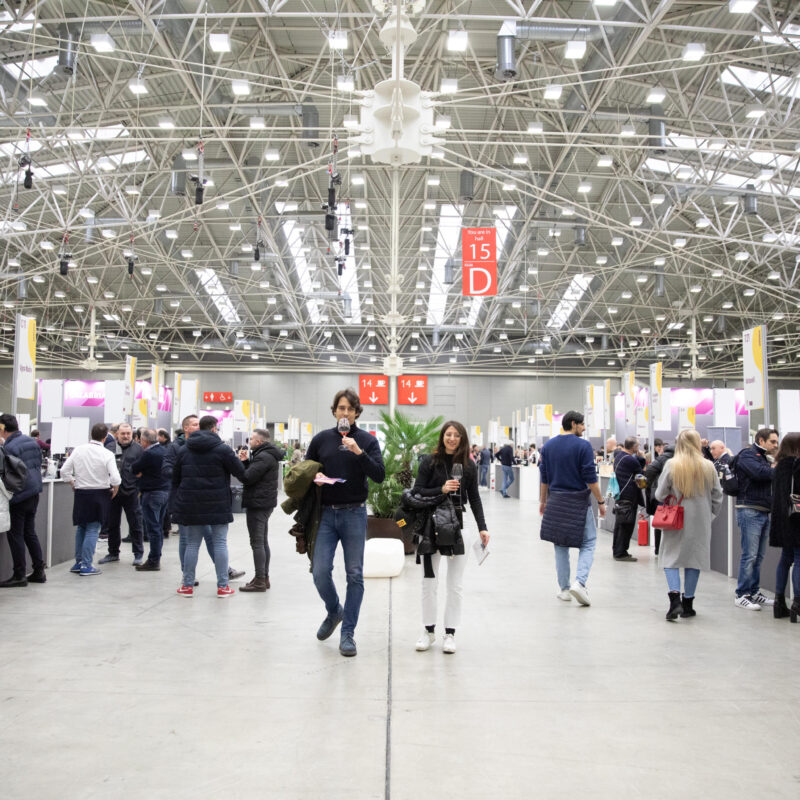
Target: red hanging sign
[
  {"x": 479, "y": 262},
  {"x": 412, "y": 390},
  {"x": 217, "y": 397},
  {"x": 373, "y": 390}
]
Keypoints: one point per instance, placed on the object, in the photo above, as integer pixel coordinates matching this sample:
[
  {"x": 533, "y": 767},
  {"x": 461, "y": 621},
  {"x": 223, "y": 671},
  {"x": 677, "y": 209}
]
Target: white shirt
[{"x": 91, "y": 466}]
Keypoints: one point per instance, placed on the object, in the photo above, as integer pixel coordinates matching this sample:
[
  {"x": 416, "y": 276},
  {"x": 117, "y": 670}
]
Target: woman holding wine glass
[{"x": 448, "y": 470}]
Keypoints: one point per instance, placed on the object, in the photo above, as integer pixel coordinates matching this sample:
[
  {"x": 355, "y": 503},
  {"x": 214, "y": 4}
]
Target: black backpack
[
  {"x": 13, "y": 472},
  {"x": 728, "y": 480}
]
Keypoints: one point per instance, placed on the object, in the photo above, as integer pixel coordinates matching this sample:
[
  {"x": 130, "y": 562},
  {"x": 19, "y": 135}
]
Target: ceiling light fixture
[{"x": 219, "y": 42}]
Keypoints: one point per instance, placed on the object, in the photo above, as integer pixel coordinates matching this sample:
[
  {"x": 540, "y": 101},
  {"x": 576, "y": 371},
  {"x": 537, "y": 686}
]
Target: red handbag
[{"x": 669, "y": 517}]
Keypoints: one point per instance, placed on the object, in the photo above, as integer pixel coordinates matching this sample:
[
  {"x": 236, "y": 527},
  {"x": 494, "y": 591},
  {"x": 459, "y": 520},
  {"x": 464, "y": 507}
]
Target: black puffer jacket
[
  {"x": 784, "y": 530},
  {"x": 25, "y": 448},
  {"x": 201, "y": 479},
  {"x": 652, "y": 473},
  {"x": 261, "y": 477}
]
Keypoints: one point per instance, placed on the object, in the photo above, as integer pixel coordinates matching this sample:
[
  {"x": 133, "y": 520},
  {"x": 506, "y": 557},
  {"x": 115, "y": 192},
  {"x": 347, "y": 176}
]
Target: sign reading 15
[{"x": 479, "y": 252}]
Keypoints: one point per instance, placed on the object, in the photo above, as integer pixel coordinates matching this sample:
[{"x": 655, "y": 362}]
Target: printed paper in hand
[
  {"x": 324, "y": 479},
  {"x": 480, "y": 551}
]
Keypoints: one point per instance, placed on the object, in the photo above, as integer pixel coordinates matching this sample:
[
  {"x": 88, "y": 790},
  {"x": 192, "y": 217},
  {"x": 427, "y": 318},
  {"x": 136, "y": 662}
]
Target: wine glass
[
  {"x": 458, "y": 472},
  {"x": 343, "y": 426}
]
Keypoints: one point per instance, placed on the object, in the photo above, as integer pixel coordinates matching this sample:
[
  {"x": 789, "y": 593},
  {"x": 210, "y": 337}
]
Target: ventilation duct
[
  {"x": 751, "y": 200},
  {"x": 22, "y": 289},
  {"x": 158, "y": 306},
  {"x": 604, "y": 342},
  {"x": 659, "y": 286},
  {"x": 658, "y": 131},
  {"x": 721, "y": 325},
  {"x": 308, "y": 114},
  {"x": 67, "y": 46},
  {"x": 182, "y": 171},
  {"x": 506, "y": 67},
  {"x": 466, "y": 184},
  {"x": 310, "y": 119},
  {"x": 233, "y": 269},
  {"x": 580, "y": 236}
]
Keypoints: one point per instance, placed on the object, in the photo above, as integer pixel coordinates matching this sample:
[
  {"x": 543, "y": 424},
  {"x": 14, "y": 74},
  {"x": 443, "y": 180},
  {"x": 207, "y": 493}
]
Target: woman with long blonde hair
[{"x": 692, "y": 481}]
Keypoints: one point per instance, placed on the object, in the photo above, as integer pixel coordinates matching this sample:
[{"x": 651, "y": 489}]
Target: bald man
[{"x": 720, "y": 453}]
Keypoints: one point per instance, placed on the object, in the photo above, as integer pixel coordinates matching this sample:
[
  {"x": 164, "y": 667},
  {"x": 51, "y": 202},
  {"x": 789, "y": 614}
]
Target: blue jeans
[
  {"x": 508, "y": 479},
  {"x": 348, "y": 526},
  {"x": 85, "y": 542},
  {"x": 182, "y": 544},
  {"x": 789, "y": 556},
  {"x": 585, "y": 554},
  {"x": 154, "y": 506},
  {"x": 690, "y": 578},
  {"x": 484, "y": 476},
  {"x": 194, "y": 535},
  {"x": 754, "y": 527}
]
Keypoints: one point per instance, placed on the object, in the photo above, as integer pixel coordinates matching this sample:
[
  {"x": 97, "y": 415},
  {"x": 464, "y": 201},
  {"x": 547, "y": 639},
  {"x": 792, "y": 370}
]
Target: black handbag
[
  {"x": 446, "y": 523},
  {"x": 625, "y": 511}
]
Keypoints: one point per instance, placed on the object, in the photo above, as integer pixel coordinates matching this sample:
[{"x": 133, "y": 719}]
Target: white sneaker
[
  {"x": 761, "y": 599},
  {"x": 579, "y": 593},
  {"x": 449, "y": 643},
  {"x": 564, "y": 595},
  {"x": 425, "y": 641},
  {"x": 745, "y": 602}
]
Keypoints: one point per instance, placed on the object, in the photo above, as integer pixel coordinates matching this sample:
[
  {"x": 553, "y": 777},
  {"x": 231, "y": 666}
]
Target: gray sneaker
[
  {"x": 347, "y": 645},
  {"x": 329, "y": 625},
  {"x": 108, "y": 559},
  {"x": 137, "y": 560},
  {"x": 234, "y": 573}
]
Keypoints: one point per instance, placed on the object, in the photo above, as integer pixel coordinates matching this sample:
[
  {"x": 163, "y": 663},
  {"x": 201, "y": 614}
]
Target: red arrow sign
[
  {"x": 412, "y": 390},
  {"x": 373, "y": 390}
]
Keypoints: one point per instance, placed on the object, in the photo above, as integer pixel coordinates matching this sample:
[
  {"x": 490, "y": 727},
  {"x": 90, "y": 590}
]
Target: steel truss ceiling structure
[{"x": 640, "y": 160}]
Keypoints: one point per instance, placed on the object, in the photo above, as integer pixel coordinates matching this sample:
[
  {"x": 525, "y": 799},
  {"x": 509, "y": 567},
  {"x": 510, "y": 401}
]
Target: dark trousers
[
  {"x": 622, "y": 537},
  {"x": 258, "y": 528},
  {"x": 22, "y": 534},
  {"x": 133, "y": 513},
  {"x": 154, "y": 506}
]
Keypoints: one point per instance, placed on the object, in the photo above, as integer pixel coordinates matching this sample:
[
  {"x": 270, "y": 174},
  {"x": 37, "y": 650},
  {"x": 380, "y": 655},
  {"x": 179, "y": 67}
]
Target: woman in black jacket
[
  {"x": 784, "y": 526},
  {"x": 436, "y": 477}
]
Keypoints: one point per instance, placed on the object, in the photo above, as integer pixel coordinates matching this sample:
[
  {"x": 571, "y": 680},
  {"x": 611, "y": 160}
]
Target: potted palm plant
[{"x": 405, "y": 441}]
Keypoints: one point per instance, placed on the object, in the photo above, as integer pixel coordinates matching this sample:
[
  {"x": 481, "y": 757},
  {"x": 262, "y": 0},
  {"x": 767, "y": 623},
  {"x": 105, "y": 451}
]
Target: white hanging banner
[
  {"x": 754, "y": 366},
  {"x": 241, "y": 415},
  {"x": 189, "y": 402},
  {"x": 656, "y": 391},
  {"x": 629, "y": 390},
  {"x": 155, "y": 390},
  {"x": 129, "y": 394},
  {"x": 176, "y": 400},
  {"x": 493, "y": 431},
  {"x": 686, "y": 418},
  {"x": 306, "y": 433},
  {"x": 24, "y": 387},
  {"x": 475, "y": 435},
  {"x": 114, "y": 402},
  {"x": 543, "y": 416},
  {"x": 724, "y": 408},
  {"x": 51, "y": 400},
  {"x": 68, "y": 432},
  {"x": 642, "y": 421},
  {"x": 607, "y": 405},
  {"x": 140, "y": 411}
]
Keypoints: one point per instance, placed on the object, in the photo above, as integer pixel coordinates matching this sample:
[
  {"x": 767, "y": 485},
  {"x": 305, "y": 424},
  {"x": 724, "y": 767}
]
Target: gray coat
[{"x": 690, "y": 547}]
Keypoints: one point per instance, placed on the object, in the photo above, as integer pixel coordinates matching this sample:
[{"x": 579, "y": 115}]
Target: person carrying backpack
[
  {"x": 23, "y": 505},
  {"x": 753, "y": 471}
]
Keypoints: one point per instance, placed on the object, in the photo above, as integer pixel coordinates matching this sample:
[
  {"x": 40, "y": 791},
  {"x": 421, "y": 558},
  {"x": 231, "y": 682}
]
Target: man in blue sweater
[
  {"x": 567, "y": 465},
  {"x": 154, "y": 493},
  {"x": 22, "y": 506},
  {"x": 626, "y": 467},
  {"x": 753, "y": 504},
  {"x": 344, "y": 514}
]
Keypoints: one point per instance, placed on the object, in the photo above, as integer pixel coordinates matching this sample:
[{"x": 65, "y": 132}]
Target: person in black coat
[
  {"x": 652, "y": 474},
  {"x": 259, "y": 499},
  {"x": 626, "y": 467},
  {"x": 201, "y": 479},
  {"x": 784, "y": 526},
  {"x": 435, "y": 477},
  {"x": 154, "y": 493}
]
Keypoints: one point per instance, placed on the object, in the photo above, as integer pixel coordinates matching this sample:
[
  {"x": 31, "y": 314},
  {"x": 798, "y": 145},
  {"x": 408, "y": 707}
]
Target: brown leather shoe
[{"x": 255, "y": 585}]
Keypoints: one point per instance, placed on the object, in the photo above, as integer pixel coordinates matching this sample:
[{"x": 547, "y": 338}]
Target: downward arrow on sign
[
  {"x": 373, "y": 397},
  {"x": 412, "y": 398}
]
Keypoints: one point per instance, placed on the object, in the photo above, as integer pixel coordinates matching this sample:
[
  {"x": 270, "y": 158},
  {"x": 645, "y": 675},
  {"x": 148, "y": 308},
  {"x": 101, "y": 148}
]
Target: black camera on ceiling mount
[{"x": 63, "y": 263}]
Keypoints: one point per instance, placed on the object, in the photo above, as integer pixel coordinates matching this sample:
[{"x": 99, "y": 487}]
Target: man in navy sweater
[
  {"x": 344, "y": 514},
  {"x": 154, "y": 490},
  {"x": 567, "y": 465},
  {"x": 626, "y": 467}
]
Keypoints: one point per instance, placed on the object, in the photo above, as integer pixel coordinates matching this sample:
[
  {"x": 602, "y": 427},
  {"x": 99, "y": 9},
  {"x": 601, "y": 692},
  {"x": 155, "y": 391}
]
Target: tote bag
[{"x": 669, "y": 516}]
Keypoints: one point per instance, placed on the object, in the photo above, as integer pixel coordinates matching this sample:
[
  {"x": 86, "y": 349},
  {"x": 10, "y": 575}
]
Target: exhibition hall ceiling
[{"x": 639, "y": 161}]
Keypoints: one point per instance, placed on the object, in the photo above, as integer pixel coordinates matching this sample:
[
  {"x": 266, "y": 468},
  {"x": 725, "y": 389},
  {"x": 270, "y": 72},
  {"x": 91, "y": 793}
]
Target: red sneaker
[
  {"x": 186, "y": 591},
  {"x": 225, "y": 591}
]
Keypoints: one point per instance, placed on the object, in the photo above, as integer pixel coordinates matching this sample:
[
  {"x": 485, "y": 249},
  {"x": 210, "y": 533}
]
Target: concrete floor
[{"x": 116, "y": 687}]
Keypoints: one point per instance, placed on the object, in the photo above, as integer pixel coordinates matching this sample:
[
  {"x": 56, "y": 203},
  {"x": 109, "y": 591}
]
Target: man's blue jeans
[
  {"x": 789, "y": 555},
  {"x": 194, "y": 536},
  {"x": 585, "y": 555},
  {"x": 86, "y": 541},
  {"x": 484, "y": 474},
  {"x": 154, "y": 506},
  {"x": 754, "y": 527},
  {"x": 182, "y": 544},
  {"x": 348, "y": 526},
  {"x": 508, "y": 479}
]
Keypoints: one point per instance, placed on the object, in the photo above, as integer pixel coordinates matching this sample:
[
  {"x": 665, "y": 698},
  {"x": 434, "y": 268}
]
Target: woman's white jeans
[{"x": 455, "y": 590}]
